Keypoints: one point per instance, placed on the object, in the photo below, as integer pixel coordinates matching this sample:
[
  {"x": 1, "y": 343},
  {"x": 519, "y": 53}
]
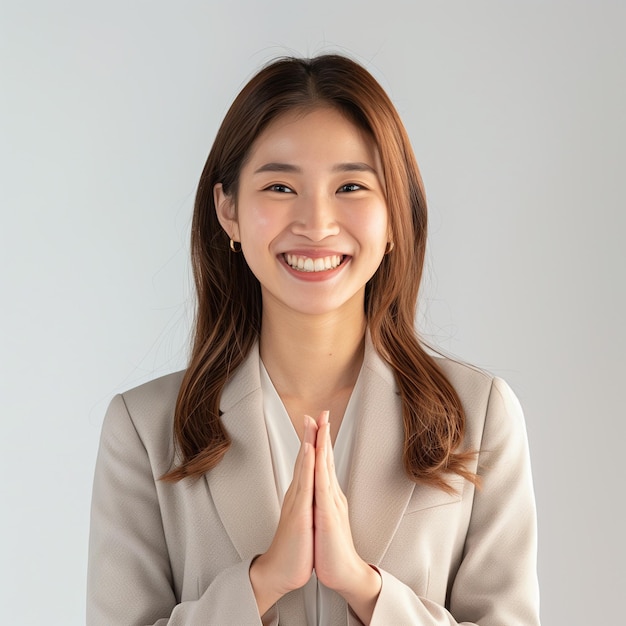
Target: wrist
[
  {"x": 363, "y": 591},
  {"x": 264, "y": 591}
]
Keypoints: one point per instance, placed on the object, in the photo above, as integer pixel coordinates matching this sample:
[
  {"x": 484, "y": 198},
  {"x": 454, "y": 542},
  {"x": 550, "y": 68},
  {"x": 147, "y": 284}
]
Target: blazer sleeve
[
  {"x": 129, "y": 578},
  {"x": 496, "y": 582}
]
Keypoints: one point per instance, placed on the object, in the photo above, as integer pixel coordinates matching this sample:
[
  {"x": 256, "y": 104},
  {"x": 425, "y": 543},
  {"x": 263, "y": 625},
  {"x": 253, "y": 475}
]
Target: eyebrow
[
  {"x": 278, "y": 167},
  {"x": 294, "y": 169}
]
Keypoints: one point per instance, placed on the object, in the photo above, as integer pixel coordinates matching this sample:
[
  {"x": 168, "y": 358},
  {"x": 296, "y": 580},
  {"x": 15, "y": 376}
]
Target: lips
[{"x": 318, "y": 264}]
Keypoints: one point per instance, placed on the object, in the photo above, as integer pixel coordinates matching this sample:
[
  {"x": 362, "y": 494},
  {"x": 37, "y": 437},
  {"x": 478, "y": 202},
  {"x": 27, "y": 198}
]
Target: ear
[{"x": 225, "y": 209}]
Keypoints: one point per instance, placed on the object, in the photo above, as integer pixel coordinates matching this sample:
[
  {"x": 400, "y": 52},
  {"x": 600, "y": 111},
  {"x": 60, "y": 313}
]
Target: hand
[
  {"x": 288, "y": 563},
  {"x": 314, "y": 531},
  {"x": 337, "y": 563}
]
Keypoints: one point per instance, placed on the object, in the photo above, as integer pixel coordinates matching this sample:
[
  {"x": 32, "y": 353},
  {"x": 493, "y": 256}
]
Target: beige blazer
[{"x": 180, "y": 553}]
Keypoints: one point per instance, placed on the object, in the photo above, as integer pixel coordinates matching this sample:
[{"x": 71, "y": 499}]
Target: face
[{"x": 311, "y": 214}]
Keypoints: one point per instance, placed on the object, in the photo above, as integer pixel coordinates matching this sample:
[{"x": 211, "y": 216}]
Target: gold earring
[
  {"x": 390, "y": 246},
  {"x": 235, "y": 246}
]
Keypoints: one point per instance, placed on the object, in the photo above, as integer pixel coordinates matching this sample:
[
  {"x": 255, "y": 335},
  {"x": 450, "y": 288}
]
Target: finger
[
  {"x": 322, "y": 440},
  {"x": 306, "y": 476},
  {"x": 310, "y": 430},
  {"x": 322, "y": 482},
  {"x": 330, "y": 455},
  {"x": 309, "y": 439},
  {"x": 333, "y": 482},
  {"x": 334, "y": 488},
  {"x": 298, "y": 467},
  {"x": 323, "y": 418}
]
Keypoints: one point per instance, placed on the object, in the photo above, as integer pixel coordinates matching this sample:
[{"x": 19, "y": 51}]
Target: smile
[{"x": 307, "y": 264}]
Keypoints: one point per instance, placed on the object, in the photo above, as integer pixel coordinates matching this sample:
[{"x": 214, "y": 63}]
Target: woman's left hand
[{"x": 337, "y": 563}]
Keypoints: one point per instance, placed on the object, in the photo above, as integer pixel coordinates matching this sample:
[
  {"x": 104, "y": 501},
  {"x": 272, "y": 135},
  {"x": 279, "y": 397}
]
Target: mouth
[{"x": 302, "y": 263}]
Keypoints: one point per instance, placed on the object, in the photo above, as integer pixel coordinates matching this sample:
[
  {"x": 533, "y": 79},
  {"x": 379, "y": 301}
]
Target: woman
[{"x": 219, "y": 492}]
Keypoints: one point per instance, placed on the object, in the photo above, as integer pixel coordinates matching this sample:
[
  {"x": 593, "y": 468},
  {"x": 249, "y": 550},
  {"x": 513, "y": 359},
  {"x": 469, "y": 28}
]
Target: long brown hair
[{"x": 228, "y": 317}]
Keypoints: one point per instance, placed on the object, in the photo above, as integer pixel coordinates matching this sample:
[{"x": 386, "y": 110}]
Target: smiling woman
[{"x": 407, "y": 497}]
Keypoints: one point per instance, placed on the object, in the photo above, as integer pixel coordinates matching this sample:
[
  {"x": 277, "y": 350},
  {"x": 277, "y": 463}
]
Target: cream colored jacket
[{"x": 179, "y": 554}]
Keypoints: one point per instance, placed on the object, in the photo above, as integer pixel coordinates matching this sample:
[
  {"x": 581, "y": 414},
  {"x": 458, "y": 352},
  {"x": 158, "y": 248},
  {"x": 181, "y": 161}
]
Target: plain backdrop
[{"x": 516, "y": 111}]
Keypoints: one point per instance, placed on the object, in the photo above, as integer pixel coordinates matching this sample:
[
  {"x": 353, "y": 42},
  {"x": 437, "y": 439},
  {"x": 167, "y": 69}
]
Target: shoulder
[
  {"x": 154, "y": 398},
  {"x": 489, "y": 402},
  {"x": 473, "y": 385},
  {"x": 145, "y": 415}
]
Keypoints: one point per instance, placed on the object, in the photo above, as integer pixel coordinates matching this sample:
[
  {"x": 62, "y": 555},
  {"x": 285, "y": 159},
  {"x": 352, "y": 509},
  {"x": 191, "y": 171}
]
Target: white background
[{"x": 516, "y": 111}]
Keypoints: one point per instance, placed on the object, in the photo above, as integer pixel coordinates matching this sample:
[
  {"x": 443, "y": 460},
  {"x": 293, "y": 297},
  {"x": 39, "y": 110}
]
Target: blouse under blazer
[
  {"x": 179, "y": 553},
  {"x": 284, "y": 448}
]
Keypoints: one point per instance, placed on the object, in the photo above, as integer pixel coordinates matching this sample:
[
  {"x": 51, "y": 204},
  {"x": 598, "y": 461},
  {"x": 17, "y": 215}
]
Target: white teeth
[{"x": 307, "y": 264}]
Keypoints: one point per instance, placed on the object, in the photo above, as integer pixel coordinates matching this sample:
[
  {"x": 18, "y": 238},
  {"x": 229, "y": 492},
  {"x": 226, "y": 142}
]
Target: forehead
[{"x": 322, "y": 133}]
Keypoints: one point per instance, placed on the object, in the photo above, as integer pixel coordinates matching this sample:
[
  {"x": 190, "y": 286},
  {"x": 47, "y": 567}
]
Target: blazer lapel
[
  {"x": 378, "y": 489},
  {"x": 242, "y": 484}
]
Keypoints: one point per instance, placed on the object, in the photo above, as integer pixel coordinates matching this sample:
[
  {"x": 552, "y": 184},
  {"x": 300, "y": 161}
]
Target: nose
[{"x": 315, "y": 217}]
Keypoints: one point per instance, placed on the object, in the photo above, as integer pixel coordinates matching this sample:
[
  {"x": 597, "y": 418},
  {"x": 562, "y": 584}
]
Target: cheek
[
  {"x": 382, "y": 225},
  {"x": 257, "y": 223},
  {"x": 374, "y": 228}
]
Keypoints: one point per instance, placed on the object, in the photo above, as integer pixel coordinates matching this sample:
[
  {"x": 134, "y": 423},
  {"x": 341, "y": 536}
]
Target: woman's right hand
[{"x": 288, "y": 563}]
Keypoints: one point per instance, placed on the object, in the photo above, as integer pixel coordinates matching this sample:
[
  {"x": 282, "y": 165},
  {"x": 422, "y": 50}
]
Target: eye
[
  {"x": 278, "y": 188},
  {"x": 350, "y": 187}
]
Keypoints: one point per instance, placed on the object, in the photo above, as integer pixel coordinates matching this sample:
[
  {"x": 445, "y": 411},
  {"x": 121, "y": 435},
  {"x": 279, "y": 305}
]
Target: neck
[{"x": 312, "y": 358}]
